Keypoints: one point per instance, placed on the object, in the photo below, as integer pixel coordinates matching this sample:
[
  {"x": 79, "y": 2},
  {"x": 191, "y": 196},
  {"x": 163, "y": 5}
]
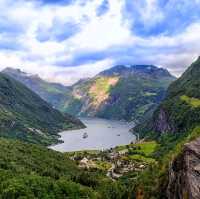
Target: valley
[
  {"x": 25, "y": 116},
  {"x": 122, "y": 92},
  {"x": 99, "y": 99},
  {"x": 118, "y": 161},
  {"x": 101, "y": 134},
  {"x": 99, "y": 158}
]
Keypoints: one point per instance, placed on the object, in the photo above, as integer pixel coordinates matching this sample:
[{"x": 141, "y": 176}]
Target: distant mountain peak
[
  {"x": 17, "y": 71},
  {"x": 120, "y": 70},
  {"x": 51, "y": 92},
  {"x": 13, "y": 70},
  {"x": 115, "y": 70}
]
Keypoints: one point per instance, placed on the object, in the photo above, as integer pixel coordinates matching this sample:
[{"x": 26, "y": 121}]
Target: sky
[{"x": 66, "y": 40}]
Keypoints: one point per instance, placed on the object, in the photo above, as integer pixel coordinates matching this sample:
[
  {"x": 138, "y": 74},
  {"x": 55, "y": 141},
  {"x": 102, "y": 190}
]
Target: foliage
[
  {"x": 194, "y": 102},
  {"x": 30, "y": 171},
  {"x": 53, "y": 93},
  {"x": 119, "y": 93},
  {"x": 182, "y": 112},
  {"x": 180, "y": 109},
  {"x": 103, "y": 165},
  {"x": 142, "y": 158},
  {"x": 146, "y": 147},
  {"x": 24, "y": 115},
  {"x": 129, "y": 100}
]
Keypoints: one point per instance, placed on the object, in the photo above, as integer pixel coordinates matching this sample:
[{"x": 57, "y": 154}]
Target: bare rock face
[
  {"x": 162, "y": 124},
  {"x": 184, "y": 174}
]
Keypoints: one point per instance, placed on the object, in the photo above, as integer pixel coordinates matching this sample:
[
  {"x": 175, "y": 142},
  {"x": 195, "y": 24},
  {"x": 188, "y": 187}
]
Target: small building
[{"x": 84, "y": 163}]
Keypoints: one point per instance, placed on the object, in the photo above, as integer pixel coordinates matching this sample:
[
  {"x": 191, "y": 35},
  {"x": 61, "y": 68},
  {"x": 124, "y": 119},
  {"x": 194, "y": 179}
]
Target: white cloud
[
  {"x": 67, "y": 75},
  {"x": 149, "y": 12},
  {"x": 97, "y": 33},
  {"x": 105, "y": 31},
  {"x": 110, "y": 33},
  {"x": 70, "y": 75}
]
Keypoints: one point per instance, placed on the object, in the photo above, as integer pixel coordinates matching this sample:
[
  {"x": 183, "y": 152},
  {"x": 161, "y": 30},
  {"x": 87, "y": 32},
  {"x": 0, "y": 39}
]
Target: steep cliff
[
  {"x": 175, "y": 123},
  {"x": 180, "y": 110},
  {"x": 182, "y": 107},
  {"x": 184, "y": 174}
]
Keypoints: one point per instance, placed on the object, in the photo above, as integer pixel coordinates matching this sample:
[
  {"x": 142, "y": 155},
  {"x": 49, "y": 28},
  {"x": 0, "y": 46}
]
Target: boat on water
[{"x": 85, "y": 135}]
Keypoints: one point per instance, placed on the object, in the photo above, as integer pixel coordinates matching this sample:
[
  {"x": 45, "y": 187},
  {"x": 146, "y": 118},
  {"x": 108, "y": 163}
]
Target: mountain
[
  {"x": 175, "y": 126},
  {"x": 31, "y": 171},
  {"x": 53, "y": 93},
  {"x": 180, "y": 111},
  {"x": 122, "y": 92},
  {"x": 184, "y": 173},
  {"x": 24, "y": 115}
]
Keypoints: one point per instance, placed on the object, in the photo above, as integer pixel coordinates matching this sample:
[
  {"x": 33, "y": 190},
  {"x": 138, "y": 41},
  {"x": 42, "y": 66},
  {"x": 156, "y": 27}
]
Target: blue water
[{"x": 102, "y": 134}]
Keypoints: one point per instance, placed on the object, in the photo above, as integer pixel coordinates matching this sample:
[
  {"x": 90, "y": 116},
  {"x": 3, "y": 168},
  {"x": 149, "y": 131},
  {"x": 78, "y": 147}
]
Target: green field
[
  {"x": 194, "y": 102},
  {"x": 142, "y": 158}
]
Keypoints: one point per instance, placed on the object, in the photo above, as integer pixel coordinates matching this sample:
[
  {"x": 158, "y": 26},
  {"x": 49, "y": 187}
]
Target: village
[{"x": 116, "y": 162}]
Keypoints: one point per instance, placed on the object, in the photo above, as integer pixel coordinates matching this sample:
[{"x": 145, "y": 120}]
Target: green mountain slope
[
  {"x": 28, "y": 171},
  {"x": 180, "y": 111},
  {"x": 24, "y": 115},
  {"x": 53, "y": 93},
  {"x": 175, "y": 126},
  {"x": 121, "y": 92}
]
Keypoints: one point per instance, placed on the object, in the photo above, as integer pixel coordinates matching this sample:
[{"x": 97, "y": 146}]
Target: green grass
[
  {"x": 145, "y": 147},
  {"x": 83, "y": 153},
  {"x": 102, "y": 165},
  {"x": 141, "y": 152},
  {"x": 142, "y": 158},
  {"x": 144, "y": 151},
  {"x": 194, "y": 102}
]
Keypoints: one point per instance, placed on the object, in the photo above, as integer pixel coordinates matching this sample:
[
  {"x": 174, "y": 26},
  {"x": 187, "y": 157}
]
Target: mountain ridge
[
  {"x": 120, "y": 69},
  {"x": 54, "y": 93},
  {"x": 109, "y": 94},
  {"x": 24, "y": 115},
  {"x": 180, "y": 110},
  {"x": 116, "y": 83},
  {"x": 175, "y": 126}
]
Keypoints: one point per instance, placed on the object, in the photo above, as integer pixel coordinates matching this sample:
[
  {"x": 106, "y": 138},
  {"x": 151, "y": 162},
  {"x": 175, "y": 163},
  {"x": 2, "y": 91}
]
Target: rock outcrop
[
  {"x": 162, "y": 124},
  {"x": 184, "y": 174}
]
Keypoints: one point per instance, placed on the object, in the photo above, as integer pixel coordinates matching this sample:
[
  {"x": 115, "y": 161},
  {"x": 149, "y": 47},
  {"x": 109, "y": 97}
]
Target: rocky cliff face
[
  {"x": 184, "y": 174},
  {"x": 162, "y": 123}
]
